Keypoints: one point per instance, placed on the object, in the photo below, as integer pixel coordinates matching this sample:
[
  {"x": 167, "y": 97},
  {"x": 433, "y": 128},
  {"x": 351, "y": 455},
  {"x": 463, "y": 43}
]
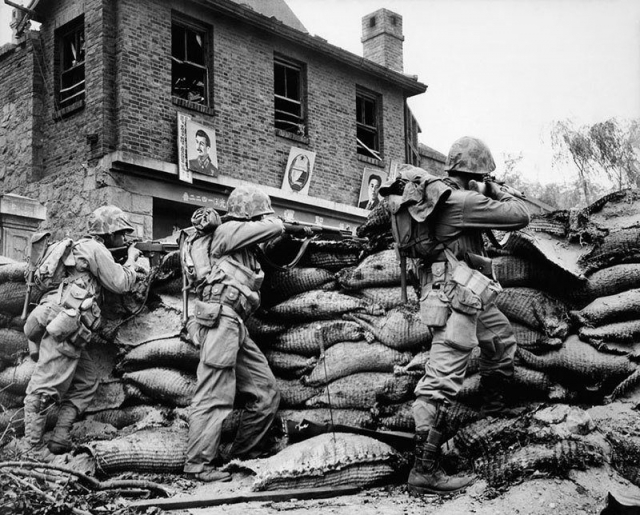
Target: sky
[{"x": 499, "y": 70}]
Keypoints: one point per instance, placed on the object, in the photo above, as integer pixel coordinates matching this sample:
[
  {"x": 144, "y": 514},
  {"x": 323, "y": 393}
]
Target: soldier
[
  {"x": 230, "y": 361},
  {"x": 462, "y": 317},
  {"x": 62, "y": 323}
]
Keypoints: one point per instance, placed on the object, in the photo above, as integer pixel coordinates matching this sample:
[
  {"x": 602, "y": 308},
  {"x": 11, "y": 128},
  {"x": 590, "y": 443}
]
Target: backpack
[
  {"x": 50, "y": 270},
  {"x": 194, "y": 257},
  {"x": 194, "y": 246},
  {"x": 412, "y": 199}
]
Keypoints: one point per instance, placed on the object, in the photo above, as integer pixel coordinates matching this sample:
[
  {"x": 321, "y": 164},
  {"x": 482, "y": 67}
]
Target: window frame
[
  {"x": 364, "y": 96},
  {"x": 298, "y": 123},
  {"x": 204, "y": 32},
  {"x": 72, "y": 30}
]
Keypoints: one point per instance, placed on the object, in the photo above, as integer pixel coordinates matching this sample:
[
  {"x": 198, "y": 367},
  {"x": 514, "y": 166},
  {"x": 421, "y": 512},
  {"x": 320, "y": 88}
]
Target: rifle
[
  {"x": 37, "y": 248},
  {"x": 502, "y": 185},
  {"x": 305, "y": 229},
  {"x": 307, "y": 232},
  {"x": 154, "y": 250}
]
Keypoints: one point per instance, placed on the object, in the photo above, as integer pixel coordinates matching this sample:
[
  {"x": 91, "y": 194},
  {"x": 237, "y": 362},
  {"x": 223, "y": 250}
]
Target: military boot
[
  {"x": 35, "y": 420},
  {"x": 60, "y": 442},
  {"x": 427, "y": 477}
]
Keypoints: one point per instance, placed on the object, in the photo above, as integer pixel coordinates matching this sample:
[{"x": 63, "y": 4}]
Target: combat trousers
[
  {"x": 447, "y": 365},
  {"x": 230, "y": 362},
  {"x": 65, "y": 373}
]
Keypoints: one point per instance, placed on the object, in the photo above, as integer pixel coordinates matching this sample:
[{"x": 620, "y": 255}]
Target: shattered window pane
[
  {"x": 288, "y": 96},
  {"x": 367, "y": 129},
  {"x": 188, "y": 65},
  {"x": 71, "y": 86}
]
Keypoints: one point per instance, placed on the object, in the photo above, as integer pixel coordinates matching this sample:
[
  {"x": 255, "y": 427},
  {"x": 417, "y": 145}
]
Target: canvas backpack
[
  {"x": 195, "y": 258},
  {"x": 50, "y": 270},
  {"x": 412, "y": 199}
]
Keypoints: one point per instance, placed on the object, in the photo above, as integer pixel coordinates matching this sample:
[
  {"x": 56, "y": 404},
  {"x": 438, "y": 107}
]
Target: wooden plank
[{"x": 274, "y": 495}]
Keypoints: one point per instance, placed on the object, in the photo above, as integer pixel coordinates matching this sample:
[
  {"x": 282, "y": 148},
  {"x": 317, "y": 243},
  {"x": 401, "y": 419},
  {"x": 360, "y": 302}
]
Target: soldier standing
[
  {"x": 462, "y": 317},
  {"x": 62, "y": 323},
  {"x": 230, "y": 360}
]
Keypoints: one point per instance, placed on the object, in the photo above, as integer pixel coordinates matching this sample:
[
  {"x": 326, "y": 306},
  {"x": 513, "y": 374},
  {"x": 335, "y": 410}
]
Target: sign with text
[{"x": 297, "y": 174}]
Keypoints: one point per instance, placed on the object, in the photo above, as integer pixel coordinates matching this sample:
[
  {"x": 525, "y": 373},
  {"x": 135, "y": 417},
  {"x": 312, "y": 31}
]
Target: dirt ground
[{"x": 580, "y": 492}]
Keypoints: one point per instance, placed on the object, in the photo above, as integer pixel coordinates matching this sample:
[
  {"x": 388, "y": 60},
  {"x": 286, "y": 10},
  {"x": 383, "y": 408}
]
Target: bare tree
[{"x": 609, "y": 149}]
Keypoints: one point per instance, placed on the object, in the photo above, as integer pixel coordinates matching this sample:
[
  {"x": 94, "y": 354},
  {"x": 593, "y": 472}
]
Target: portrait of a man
[
  {"x": 369, "y": 198},
  {"x": 203, "y": 162}
]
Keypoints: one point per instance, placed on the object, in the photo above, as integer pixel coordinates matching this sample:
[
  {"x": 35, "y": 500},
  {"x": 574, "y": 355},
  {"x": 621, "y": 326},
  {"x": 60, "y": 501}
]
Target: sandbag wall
[
  {"x": 335, "y": 332},
  {"x": 15, "y": 371}
]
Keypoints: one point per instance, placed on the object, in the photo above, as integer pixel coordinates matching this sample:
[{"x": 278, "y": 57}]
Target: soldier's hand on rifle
[
  {"x": 133, "y": 254},
  {"x": 480, "y": 187}
]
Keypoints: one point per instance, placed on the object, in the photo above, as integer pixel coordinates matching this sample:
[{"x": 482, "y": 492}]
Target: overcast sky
[
  {"x": 501, "y": 70},
  {"x": 504, "y": 70}
]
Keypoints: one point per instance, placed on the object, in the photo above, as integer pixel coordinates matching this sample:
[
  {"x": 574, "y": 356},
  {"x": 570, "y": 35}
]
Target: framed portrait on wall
[
  {"x": 196, "y": 148},
  {"x": 297, "y": 174},
  {"x": 372, "y": 179}
]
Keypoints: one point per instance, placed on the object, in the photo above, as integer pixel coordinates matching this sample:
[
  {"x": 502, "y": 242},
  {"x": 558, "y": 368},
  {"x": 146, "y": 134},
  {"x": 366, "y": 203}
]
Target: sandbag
[{"x": 326, "y": 460}]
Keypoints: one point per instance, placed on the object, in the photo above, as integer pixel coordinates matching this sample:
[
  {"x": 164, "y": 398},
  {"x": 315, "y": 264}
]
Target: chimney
[{"x": 382, "y": 39}]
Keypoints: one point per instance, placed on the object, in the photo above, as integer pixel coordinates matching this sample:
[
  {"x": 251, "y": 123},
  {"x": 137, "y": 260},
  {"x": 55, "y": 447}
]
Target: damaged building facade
[{"x": 161, "y": 107}]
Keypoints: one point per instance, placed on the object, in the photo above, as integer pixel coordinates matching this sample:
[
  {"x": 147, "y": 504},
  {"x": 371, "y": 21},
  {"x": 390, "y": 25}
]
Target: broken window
[
  {"x": 289, "y": 96},
  {"x": 411, "y": 133},
  {"x": 189, "y": 74},
  {"x": 71, "y": 64},
  {"x": 367, "y": 124}
]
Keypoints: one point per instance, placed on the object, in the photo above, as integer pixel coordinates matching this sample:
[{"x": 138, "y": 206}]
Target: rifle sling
[{"x": 293, "y": 263}]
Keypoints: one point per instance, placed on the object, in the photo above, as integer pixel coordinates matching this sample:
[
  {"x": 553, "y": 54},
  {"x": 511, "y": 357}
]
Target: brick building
[{"x": 101, "y": 104}]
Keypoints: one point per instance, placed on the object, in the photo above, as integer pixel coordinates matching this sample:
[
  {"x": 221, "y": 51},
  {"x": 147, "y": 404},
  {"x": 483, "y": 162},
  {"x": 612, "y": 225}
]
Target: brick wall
[
  {"x": 129, "y": 107},
  {"x": 18, "y": 102},
  {"x": 247, "y": 146}
]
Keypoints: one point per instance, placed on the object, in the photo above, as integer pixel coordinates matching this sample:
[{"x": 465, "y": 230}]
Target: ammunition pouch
[
  {"x": 207, "y": 314},
  {"x": 227, "y": 295},
  {"x": 477, "y": 283},
  {"x": 81, "y": 337},
  {"x": 73, "y": 296}
]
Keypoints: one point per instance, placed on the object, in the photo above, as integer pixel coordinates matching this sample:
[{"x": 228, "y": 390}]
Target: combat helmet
[
  {"x": 108, "y": 220},
  {"x": 470, "y": 155},
  {"x": 247, "y": 202}
]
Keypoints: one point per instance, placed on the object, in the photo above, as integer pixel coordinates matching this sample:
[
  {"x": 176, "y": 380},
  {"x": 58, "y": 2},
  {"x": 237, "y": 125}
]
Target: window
[
  {"x": 71, "y": 86},
  {"x": 288, "y": 87},
  {"x": 368, "y": 130},
  {"x": 189, "y": 72},
  {"x": 411, "y": 133}
]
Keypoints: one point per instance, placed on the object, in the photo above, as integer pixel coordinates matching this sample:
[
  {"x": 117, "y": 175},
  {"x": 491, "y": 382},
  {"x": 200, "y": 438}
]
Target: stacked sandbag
[
  {"x": 333, "y": 336},
  {"x": 13, "y": 289}
]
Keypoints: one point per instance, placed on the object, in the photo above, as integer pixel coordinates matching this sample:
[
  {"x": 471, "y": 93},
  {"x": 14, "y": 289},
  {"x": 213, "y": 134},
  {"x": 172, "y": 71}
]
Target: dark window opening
[
  {"x": 189, "y": 73},
  {"x": 288, "y": 89},
  {"x": 71, "y": 65},
  {"x": 170, "y": 217},
  {"x": 368, "y": 130},
  {"x": 372, "y": 22}
]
